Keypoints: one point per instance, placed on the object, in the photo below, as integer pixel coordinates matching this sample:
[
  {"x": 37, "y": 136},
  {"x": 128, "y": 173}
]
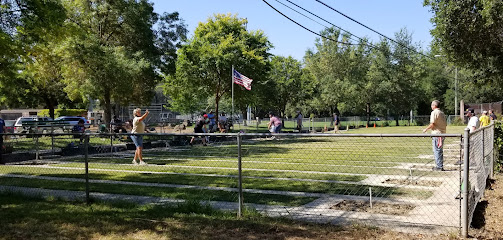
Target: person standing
[
  {"x": 336, "y": 122},
  {"x": 492, "y": 115},
  {"x": 211, "y": 117},
  {"x": 299, "y": 121},
  {"x": 473, "y": 121},
  {"x": 438, "y": 125},
  {"x": 484, "y": 119},
  {"x": 138, "y": 127},
  {"x": 200, "y": 127}
]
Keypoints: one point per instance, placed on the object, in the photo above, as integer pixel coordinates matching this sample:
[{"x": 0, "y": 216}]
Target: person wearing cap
[
  {"x": 200, "y": 127},
  {"x": 484, "y": 119},
  {"x": 473, "y": 121},
  {"x": 492, "y": 115},
  {"x": 438, "y": 125}
]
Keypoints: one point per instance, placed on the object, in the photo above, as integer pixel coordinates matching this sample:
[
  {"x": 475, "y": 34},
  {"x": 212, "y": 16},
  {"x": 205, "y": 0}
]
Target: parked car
[
  {"x": 9, "y": 126},
  {"x": 70, "y": 121},
  {"x": 27, "y": 124}
]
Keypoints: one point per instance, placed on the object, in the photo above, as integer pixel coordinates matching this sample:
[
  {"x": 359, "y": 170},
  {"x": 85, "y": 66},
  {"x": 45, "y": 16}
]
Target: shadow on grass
[{"x": 32, "y": 218}]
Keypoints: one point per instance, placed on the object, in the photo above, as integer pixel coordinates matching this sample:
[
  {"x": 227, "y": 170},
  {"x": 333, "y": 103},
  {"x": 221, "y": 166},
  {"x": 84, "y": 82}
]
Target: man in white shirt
[
  {"x": 473, "y": 121},
  {"x": 473, "y": 124}
]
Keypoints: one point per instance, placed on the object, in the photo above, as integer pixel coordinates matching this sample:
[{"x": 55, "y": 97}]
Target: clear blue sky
[{"x": 387, "y": 17}]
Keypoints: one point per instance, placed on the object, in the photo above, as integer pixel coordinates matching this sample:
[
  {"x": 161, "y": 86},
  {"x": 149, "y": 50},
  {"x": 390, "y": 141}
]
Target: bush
[
  {"x": 498, "y": 142},
  {"x": 458, "y": 122},
  {"x": 63, "y": 112}
]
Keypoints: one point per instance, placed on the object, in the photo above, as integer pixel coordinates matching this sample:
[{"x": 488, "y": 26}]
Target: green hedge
[
  {"x": 498, "y": 141},
  {"x": 64, "y": 112}
]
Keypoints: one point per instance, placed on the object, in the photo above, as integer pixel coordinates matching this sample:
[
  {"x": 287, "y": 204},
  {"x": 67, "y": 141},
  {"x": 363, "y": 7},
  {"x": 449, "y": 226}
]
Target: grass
[
  {"x": 34, "y": 218},
  {"x": 267, "y": 165},
  {"x": 175, "y": 193},
  {"x": 248, "y": 183}
]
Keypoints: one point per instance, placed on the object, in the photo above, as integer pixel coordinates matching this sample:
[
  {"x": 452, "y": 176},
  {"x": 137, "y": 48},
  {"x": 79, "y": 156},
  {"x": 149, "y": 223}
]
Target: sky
[{"x": 288, "y": 39}]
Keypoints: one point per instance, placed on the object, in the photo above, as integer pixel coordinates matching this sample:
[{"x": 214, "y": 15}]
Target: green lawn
[{"x": 327, "y": 165}]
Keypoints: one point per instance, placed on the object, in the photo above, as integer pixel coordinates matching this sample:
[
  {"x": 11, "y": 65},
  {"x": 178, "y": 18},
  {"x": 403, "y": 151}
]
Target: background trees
[{"x": 204, "y": 63}]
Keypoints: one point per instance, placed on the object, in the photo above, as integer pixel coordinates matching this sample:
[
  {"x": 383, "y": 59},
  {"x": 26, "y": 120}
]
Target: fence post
[
  {"x": 491, "y": 164},
  {"x": 86, "y": 159},
  {"x": 465, "y": 183},
  {"x": 240, "y": 179},
  {"x": 37, "y": 154}
]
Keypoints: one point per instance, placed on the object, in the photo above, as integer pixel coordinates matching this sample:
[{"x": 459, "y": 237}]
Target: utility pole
[{"x": 456, "y": 92}]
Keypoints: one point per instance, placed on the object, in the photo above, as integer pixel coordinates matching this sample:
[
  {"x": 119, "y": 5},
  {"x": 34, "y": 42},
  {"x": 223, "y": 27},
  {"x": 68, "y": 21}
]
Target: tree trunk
[
  {"x": 107, "y": 107},
  {"x": 50, "y": 103},
  {"x": 217, "y": 101}
]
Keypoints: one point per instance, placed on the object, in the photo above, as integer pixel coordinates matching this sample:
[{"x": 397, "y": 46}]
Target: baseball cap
[
  {"x": 484, "y": 111},
  {"x": 471, "y": 110},
  {"x": 205, "y": 115}
]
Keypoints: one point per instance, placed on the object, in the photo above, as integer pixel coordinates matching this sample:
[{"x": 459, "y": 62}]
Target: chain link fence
[{"x": 385, "y": 180}]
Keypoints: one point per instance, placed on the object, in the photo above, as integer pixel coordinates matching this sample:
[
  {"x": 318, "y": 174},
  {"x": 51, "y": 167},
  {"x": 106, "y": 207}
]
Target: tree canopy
[{"x": 204, "y": 64}]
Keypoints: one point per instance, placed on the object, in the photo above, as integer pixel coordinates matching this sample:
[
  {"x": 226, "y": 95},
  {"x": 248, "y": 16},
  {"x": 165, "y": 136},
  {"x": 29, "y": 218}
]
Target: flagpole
[{"x": 232, "y": 83}]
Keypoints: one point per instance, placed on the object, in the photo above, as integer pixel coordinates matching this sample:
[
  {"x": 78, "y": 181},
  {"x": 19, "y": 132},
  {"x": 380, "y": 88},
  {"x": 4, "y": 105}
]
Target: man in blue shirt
[{"x": 212, "y": 125}]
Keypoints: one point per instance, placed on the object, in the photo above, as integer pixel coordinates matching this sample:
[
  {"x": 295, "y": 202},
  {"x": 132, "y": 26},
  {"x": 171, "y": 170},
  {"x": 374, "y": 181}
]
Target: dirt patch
[
  {"x": 377, "y": 207},
  {"x": 426, "y": 183},
  {"x": 487, "y": 220}
]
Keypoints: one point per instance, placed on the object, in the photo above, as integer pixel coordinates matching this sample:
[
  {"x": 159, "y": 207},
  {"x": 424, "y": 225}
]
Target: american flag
[{"x": 241, "y": 80}]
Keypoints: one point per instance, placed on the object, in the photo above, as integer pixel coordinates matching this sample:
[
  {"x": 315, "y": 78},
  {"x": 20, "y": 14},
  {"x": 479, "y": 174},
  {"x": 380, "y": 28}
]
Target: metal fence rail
[{"x": 380, "y": 179}]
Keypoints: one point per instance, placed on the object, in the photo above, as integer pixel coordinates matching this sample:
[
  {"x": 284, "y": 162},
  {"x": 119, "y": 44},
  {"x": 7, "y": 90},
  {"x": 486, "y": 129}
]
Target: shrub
[
  {"x": 458, "y": 122},
  {"x": 498, "y": 142}
]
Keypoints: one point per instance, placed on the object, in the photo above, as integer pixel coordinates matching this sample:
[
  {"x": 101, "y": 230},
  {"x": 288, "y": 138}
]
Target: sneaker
[
  {"x": 143, "y": 163},
  {"x": 437, "y": 169},
  {"x": 460, "y": 162},
  {"x": 134, "y": 162},
  {"x": 273, "y": 137}
]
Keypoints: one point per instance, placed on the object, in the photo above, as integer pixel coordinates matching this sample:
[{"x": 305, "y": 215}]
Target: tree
[
  {"x": 115, "y": 54},
  {"x": 204, "y": 63},
  {"x": 339, "y": 69},
  {"x": 469, "y": 33},
  {"x": 394, "y": 74},
  {"x": 286, "y": 74},
  {"x": 27, "y": 27}
]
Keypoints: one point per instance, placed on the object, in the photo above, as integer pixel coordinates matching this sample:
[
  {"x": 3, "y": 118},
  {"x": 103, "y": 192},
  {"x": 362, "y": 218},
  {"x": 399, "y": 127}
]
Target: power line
[
  {"x": 324, "y": 20},
  {"x": 363, "y": 41},
  {"x": 367, "y": 27},
  {"x": 346, "y": 43},
  {"x": 301, "y": 13}
]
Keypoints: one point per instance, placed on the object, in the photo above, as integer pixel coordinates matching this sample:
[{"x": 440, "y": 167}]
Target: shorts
[
  {"x": 275, "y": 129},
  {"x": 138, "y": 140},
  {"x": 198, "y": 130}
]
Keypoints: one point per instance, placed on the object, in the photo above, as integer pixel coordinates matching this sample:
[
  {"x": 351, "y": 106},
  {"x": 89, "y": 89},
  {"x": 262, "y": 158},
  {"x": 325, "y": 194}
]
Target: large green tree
[
  {"x": 203, "y": 67},
  {"x": 115, "y": 54},
  {"x": 27, "y": 27},
  {"x": 469, "y": 33},
  {"x": 339, "y": 69},
  {"x": 395, "y": 73}
]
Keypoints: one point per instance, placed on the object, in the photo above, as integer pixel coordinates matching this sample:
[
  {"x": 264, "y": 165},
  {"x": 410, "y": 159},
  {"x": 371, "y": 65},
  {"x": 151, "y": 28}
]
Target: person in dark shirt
[
  {"x": 492, "y": 115},
  {"x": 200, "y": 127},
  {"x": 79, "y": 128}
]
